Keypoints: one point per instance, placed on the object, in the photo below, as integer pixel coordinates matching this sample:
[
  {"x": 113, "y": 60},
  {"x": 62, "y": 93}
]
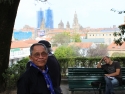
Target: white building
[{"x": 19, "y": 50}]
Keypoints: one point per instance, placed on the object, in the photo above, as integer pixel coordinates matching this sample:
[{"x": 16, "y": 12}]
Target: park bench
[{"x": 79, "y": 79}]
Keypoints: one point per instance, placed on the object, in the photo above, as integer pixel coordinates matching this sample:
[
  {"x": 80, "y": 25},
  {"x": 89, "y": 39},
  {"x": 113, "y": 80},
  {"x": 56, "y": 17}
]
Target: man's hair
[
  {"x": 107, "y": 56},
  {"x": 35, "y": 44},
  {"x": 47, "y": 44}
]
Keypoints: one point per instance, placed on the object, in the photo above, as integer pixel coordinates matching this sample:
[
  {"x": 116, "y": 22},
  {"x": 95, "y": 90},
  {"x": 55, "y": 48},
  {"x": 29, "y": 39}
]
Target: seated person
[{"x": 113, "y": 76}]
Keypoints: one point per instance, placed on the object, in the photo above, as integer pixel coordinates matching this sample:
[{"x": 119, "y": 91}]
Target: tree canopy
[
  {"x": 99, "y": 51},
  {"x": 61, "y": 38},
  {"x": 75, "y": 37},
  {"x": 119, "y": 11},
  {"x": 65, "y": 37},
  {"x": 67, "y": 51},
  {"x": 121, "y": 34}
]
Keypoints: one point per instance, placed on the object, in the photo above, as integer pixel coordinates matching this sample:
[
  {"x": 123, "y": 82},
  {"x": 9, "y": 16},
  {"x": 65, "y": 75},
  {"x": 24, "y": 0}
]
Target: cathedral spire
[
  {"x": 67, "y": 25},
  {"x": 75, "y": 25},
  {"x": 42, "y": 27},
  {"x": 61, "y": 25}
]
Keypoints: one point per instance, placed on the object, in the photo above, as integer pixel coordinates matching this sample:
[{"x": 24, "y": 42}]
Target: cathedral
[{"x": 75, "y": 26}]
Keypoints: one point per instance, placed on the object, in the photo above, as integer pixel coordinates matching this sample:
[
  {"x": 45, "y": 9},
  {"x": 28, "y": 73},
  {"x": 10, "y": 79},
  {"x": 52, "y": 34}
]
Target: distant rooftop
[
  {"x": 94, "y": 40},
  {"x": 110, "y": 30}
]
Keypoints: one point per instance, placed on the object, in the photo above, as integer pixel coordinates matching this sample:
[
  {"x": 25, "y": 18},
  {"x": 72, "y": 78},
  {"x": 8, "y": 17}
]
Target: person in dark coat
[
  {"x": 53, "y": 66},
  {"x": 36, "y": 79}
]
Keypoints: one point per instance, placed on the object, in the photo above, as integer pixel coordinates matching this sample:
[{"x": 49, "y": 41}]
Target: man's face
[
  {"x": 106, "y": 60},
  {"x": 39, "y": 56}
]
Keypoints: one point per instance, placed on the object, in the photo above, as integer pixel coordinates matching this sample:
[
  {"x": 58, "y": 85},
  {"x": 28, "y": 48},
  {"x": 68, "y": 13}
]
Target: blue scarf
[{"x": 46, "y": 76}]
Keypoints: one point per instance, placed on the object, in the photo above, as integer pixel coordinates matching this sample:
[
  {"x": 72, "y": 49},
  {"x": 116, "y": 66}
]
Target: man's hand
[
  {"x": 101, "y": 59},
  {"x": 99, "y": 63},
  {"x": 106, "y": 75}
]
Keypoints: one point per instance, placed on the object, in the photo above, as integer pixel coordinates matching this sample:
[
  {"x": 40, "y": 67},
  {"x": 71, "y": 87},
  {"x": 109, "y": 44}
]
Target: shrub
[{"x": 12, "y": 73}]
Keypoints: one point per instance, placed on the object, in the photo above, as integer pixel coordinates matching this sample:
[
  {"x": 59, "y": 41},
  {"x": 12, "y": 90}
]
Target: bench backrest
[{"x": 82, "y": 77}]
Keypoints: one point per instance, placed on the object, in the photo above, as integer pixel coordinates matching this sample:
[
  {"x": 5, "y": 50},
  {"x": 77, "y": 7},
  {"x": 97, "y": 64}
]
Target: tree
[
  {"x": 61, "y": 38},
  {"x": 8, "y": 11},
  {"x": 99, "y": 51},
  {"x": 65, "y": 37},
  {"x": 66, "y": 51},
  {"x": 119, "y": 11},
  {"x": 120, "y": 34},
  {"x": 76, "y": 37}
]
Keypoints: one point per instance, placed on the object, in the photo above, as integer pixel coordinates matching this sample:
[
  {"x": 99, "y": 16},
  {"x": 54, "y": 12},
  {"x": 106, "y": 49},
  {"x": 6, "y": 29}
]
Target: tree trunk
[{"x": 8, "y": 11}]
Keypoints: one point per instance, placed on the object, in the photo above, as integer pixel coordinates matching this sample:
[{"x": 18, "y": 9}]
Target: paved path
[{"x": 65, "y": 90}]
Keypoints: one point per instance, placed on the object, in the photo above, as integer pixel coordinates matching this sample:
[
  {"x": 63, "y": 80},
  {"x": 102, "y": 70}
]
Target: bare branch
[{"x": 42, "y": 0}]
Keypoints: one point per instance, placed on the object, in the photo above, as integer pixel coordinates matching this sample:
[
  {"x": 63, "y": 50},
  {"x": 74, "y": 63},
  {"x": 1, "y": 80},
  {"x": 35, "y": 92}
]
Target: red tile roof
[
  {"x": 30, "y": 41},
  {"x": 81, "y": 44},
  {"x": 19, "y": 44},
  {"x": 113, "y": 46}
]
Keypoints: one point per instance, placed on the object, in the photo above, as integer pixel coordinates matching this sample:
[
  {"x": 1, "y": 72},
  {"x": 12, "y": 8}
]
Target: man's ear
[{"x": 30, "y": 57}]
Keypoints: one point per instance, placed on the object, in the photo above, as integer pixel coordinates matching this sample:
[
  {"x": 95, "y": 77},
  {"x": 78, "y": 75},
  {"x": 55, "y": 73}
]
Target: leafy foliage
[
  {"x": 117, "y": 54},
  {"x": 13, "y": 73},
  {"x": 119, "y": 12},
  {"x": 61, "y": 38},
  {"x": 75, "y": 37},
  {"x": 64, "y": 38},
  {"x": 121, "y": 34},
  {"x": 87, "y": 62},
  {"x": 66, "y": 51}
]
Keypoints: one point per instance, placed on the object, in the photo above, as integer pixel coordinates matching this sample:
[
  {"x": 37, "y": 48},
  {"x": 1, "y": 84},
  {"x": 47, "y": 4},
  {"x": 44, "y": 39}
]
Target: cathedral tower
[
  {"x": 67, "y": 25},
  {"x": 61, "y": 25},
  {"x": 75, "y": 25}
]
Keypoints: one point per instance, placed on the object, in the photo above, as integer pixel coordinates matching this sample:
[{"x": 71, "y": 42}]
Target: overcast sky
[{"x": 90, "y": 13}]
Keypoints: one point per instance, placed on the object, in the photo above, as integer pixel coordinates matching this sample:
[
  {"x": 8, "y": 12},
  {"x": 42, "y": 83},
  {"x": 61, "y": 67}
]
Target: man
[
  {"x": 36, "y": 79},
  {"x": 113, "y": 76},
  {"x": 53, "y": 66}
]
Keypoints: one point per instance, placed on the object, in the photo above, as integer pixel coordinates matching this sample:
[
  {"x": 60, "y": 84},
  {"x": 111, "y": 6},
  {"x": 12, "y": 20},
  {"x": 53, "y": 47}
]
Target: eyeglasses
[{"x": 43, "y": 54}]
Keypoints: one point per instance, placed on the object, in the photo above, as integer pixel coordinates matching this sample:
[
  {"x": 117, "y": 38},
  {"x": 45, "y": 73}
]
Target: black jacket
[
  {"x": 32, "y": 82},
  {"x": 55, "y": 70}
]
